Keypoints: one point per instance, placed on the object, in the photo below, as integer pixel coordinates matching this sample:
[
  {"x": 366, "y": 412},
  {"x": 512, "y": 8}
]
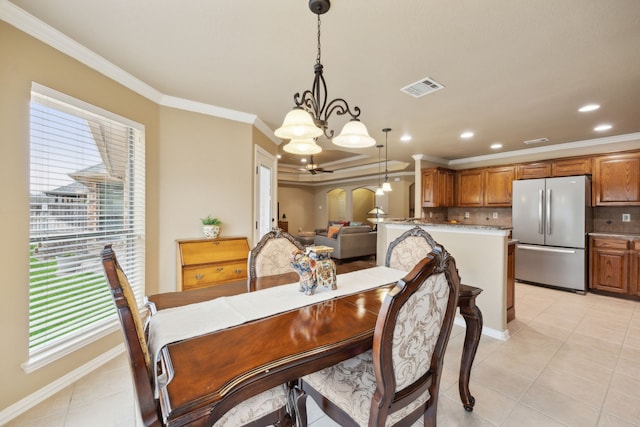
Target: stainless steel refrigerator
[{"x": 551, "y": 219}]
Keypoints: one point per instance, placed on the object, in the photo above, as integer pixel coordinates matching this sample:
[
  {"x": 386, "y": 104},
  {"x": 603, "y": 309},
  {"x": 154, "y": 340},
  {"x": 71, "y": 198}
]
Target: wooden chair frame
[{"x": 385, "y": 399}]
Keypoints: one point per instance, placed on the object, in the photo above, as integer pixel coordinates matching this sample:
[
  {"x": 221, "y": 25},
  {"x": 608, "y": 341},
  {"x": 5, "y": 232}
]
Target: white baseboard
[
  {"x": 490, "y": 332},
  {"x": 49, "y": 390}
]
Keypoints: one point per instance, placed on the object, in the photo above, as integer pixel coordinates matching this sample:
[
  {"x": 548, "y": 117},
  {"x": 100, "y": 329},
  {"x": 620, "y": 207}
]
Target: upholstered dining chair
[
  {"x": 272, "y": 254},
  {"x": 267, "y": 408},
  {"x": 409, "y": 248},
  {"x": 397, "y": 382}
]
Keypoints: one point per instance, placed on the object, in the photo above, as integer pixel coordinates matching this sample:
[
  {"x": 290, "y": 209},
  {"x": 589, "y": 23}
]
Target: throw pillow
[
  {"x": 345, "y": 223},
  {"x": 333, "y": 231}
]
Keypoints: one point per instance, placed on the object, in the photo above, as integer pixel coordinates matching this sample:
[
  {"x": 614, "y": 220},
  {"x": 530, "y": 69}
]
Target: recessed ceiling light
[
  {"x": 466, "y": 135},
  {"x": 303, "y": 160},
  {"x": 602, "y": 128},
  {"x": 279, "y": 156},
  {"x": 588, "y": 107},
  {"x": 405, "y": 138},
  {"x": 496, "y": 146}
]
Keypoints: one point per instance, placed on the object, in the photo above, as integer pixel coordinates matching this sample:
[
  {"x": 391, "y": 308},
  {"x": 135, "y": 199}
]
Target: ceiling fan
[{"x": 313, "y": 168}]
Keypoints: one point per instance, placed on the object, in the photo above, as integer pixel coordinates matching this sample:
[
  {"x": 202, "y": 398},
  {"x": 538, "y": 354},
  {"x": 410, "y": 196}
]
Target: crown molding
[{"x": 615, "y": 139}]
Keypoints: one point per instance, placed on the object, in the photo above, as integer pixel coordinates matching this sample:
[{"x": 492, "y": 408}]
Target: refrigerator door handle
[
  {"x": 540, "y": 201},
  {"x": 546, "y": 249},
  {"x": 548, "y": 216}
]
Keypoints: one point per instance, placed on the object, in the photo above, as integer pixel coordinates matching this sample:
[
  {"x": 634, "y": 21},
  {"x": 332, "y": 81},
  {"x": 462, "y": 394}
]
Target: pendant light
[
  {"x": 310, "y": 115},
  {"x": 379, "y": 190},
  {"x": 386, "y": 186}
]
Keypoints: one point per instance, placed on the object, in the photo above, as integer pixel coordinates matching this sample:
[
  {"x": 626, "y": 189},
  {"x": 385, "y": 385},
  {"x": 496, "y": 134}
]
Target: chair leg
[{"x": 301, "y": 405}]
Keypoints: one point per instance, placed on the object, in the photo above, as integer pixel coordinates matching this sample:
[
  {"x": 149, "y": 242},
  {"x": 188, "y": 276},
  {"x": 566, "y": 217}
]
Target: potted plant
[{"x": 210, "y": 227}]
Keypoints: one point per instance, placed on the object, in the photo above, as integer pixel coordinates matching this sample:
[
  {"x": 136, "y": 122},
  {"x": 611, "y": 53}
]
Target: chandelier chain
[{"x": 318, "y": 56}]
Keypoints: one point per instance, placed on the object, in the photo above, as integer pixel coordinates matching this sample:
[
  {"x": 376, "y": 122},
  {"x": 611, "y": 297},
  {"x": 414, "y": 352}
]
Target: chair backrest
[
  {"x": 134, "y": 337},
  {"x": 272, "y": 255},
  {"x": 412, "y": 331},
  {"x": 409, "y": 248}
]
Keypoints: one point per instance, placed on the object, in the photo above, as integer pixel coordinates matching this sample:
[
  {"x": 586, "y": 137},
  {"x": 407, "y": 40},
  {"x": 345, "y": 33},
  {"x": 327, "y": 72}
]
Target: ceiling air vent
[
  {"x": 422, "y": 87},
  {"x": 536, "y": 141}
]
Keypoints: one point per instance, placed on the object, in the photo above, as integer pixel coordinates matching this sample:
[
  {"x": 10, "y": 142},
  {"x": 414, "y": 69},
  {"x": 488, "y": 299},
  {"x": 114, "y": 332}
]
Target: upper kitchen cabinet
[
  {"x": 470, "y": 188},
  {"x": 616, "y": 180},
  {"x": 553, "y": 168},
  {"x": 489, "y": 187},
  {"x": 437, "y": 187},
  {"x": 533, "y": 170},
  {"x": 497, "y": 186},
  {"x": 571, "y": 167}
]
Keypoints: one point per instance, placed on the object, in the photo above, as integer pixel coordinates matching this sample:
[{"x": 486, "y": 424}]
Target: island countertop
[{"x": 454, "y": 225}]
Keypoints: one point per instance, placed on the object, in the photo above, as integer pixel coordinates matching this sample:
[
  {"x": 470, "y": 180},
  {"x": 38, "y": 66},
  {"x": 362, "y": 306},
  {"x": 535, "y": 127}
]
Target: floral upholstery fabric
[
  {"x": 254, "y": 408},
  {"x": 417, "y": 329},
  {"x": 408, "y": 253},
  {"x": 274, "y": 258},
  {"x": 351, "y": 384}
]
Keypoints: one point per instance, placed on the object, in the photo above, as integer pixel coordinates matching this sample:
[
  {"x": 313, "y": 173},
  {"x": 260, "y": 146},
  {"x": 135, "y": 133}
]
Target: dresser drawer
[
  {"x": 208, "y": 275},
  {"x": 609, "y": 243},
  {"x": 214, "y": 250}
]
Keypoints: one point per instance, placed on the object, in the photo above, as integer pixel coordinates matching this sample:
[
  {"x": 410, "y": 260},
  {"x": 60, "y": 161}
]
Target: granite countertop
[
  {"x": 614, "y": 234},
  {"x": 447, "y": 225}
]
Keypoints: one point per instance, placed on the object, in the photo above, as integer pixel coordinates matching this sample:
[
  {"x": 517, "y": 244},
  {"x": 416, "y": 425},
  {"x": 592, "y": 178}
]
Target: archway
[{"x": 363, "y": 200}]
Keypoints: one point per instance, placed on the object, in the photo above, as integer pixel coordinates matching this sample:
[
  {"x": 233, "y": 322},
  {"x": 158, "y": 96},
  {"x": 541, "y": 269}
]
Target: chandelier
[
  {"x": 309, "y": 119},
  {"x": 386, "y": 186}
]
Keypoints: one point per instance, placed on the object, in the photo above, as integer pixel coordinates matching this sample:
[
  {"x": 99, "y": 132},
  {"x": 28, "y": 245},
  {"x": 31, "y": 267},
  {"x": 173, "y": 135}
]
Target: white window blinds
[{"x": 87, "y": 181}]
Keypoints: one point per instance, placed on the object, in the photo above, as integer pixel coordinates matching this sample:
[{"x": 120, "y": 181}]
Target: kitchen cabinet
[
  {"x": 437, "y": 187},
  {"x": 511, "y": 281},
  {"x": 498, "y": 184},
  {"x": 609, "y": 261},
  {"x": 616, "y": 180},
  {"x": 470, "y": 188},
  {"x": 571, "y": 167},
  {"x": 489, "y": 187},
  {"x": 634, "y": 278},
  {"x": 210, "y": 262},
  {"x": 533, "y": 170}
]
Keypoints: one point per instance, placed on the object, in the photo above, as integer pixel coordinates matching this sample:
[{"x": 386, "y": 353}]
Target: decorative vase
[{"x": 211, "y": 231}]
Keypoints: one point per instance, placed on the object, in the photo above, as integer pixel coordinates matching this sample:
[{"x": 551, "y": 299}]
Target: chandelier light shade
[
  {"x": 354, "y": 135},
  {"x": 318, "y": 108},
  {"x": 298, "y": 124},
  {"x": 302, "y": 146},
  {"x": 386, "y": 186}
]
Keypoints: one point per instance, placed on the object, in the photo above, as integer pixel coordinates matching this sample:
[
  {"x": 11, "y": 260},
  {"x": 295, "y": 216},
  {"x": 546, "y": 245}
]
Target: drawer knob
[
  {"x": 219, "y": 269},
  {"x": 216, "y": 243},
  {"x": 238, "y": 270},
  {"x": 199, "y": 276}
]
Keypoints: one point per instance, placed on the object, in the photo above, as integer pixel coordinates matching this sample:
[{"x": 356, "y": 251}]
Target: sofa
[{"x": 348, "y": 241}]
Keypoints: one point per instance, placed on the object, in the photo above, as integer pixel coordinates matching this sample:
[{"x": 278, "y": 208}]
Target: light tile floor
[{"x": 572, "y": 360}]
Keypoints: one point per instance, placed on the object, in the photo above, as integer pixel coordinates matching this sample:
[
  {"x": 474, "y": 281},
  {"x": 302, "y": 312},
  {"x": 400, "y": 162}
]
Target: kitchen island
[{"x": 480, "y": 252}]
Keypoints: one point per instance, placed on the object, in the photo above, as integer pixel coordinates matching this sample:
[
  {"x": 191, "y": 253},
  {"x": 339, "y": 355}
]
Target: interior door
[{"x": 265, "y": 186}]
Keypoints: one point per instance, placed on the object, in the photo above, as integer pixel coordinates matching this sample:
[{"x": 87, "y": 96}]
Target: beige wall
[
  {"x": 206, "y": 165},
  {"x": 298, "y": 204},
  {"x": 195, "y": 165},
  {"x": 23, "y": 60}
]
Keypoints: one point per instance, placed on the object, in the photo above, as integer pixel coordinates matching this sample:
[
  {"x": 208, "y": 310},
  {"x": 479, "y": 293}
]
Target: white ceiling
[{"x": 513, "y": 70}]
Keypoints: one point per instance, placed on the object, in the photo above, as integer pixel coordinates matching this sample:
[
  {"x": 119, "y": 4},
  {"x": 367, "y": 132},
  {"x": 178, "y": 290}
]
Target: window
[{"x": 87, "y": 181}]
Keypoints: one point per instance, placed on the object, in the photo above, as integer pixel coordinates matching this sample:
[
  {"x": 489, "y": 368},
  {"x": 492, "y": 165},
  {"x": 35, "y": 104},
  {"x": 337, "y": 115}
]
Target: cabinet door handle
[
  {"x": 199, "y": 276},
  {"x": 219, "y": 269}
]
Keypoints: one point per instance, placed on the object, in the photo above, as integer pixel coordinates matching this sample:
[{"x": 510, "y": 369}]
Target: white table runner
[{"x": 176, "y": 324}]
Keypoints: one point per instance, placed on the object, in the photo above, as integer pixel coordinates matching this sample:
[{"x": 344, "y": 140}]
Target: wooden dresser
[{"x": 210, "y": 262}]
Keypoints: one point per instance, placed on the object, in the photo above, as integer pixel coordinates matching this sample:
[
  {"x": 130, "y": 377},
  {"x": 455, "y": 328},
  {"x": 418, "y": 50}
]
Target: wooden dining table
[{"x": 214, "y": 372}]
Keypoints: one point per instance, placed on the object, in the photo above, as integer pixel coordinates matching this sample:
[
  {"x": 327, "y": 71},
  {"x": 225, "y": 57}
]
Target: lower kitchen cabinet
[{"x": 614, "y": 264}]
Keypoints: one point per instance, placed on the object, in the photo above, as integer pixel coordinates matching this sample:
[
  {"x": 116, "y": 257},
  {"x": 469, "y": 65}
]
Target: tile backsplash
[
  {"x": 605, "y": 219},
  {"x": 609, "y": 219}
]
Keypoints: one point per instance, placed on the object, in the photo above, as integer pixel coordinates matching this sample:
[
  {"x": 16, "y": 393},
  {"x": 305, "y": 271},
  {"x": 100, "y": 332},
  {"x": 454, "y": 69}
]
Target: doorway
[{"x": 265, "y": 185}]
